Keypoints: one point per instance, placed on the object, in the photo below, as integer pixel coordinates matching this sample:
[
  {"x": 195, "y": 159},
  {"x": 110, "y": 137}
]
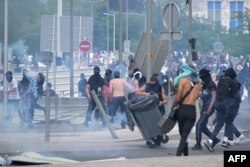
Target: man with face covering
[
  {"x": 227, "y": 108},
  {"x": 13, "y": 97},
  {"x": 208, "y": 95},
  {"x": 96, "y": 83}
]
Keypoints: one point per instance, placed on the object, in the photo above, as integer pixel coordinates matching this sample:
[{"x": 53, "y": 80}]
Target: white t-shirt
[{"x": 13, "y": 85}]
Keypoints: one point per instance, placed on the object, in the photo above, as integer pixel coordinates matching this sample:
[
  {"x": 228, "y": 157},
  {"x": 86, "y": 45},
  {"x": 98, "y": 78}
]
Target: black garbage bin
[{"x": 146, "y": 115}]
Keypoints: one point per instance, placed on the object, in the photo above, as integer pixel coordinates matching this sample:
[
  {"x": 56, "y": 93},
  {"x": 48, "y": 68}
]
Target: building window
[
  {"x": 214, "y": 12},
  {"x": 236, "y": 15}
]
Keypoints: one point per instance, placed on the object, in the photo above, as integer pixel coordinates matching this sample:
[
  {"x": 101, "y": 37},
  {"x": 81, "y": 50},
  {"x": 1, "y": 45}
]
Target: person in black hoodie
[
  {"x": 96, "y": 83},
  {"x": 208, "y": 95},
  {"x": 227, "y": 108}
]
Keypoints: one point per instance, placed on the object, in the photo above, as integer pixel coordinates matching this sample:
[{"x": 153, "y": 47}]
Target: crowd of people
[
  {"x": 23, "y": 96},
  {"x": 187, "y": 83}
]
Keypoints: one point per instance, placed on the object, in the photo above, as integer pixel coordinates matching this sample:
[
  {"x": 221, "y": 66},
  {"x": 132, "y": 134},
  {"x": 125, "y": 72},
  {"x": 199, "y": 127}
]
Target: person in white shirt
[{"x": 13, "y": 97}]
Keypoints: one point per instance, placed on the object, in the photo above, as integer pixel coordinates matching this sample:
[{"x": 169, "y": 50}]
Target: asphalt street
[{"x": 70, "y": 140}]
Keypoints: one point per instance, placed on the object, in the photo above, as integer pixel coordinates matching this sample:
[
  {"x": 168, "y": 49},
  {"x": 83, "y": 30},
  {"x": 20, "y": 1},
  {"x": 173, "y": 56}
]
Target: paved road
[{"x": 69, "y": 139}]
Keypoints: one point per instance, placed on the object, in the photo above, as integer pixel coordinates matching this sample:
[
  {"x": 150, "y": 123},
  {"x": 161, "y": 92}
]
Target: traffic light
[
  {"x": 194, "y": 56},
  {"x": 192, "y": 43}
]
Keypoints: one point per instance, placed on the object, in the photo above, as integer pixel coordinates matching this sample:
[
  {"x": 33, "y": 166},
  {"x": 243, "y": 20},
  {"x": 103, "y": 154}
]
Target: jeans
[
  {"x": 230, "y": 128},
  {"x": 92, "y": 106},
  {"x": 14, "y": 105},
  {"x": 33, "y": 106},
  {"x": 225, "y": 115},
  {"x": 118, "y": 102}
]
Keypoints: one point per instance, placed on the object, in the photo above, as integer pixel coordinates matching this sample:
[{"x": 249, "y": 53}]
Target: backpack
[{"x": 224, "y": 87}]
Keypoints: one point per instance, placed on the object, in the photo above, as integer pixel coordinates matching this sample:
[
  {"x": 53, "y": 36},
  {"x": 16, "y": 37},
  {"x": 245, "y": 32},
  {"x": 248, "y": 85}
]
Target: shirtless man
[
  {"x": 186, "y": 114},
  {"x": 117, "y": 86}
]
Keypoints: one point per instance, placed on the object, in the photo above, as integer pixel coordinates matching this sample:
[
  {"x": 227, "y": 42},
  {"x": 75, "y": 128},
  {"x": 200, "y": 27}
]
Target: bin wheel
[{"x": 165, "y": 139}]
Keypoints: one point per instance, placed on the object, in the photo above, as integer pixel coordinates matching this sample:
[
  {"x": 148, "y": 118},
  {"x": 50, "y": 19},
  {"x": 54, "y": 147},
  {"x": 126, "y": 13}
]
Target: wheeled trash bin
[{"x": 147, "y": 116}]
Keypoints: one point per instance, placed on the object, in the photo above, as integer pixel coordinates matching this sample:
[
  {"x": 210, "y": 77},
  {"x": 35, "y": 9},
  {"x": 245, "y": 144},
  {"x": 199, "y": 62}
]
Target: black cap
[{"x": 97, "y": 69}]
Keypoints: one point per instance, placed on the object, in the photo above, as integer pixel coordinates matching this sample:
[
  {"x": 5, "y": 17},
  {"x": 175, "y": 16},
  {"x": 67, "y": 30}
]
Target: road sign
[
  {"x": 171, "y": 17},
  {"x": 218, "y": 47},
  {"x": 171, "y": 36},
  {"x": 85, "y": 46}
]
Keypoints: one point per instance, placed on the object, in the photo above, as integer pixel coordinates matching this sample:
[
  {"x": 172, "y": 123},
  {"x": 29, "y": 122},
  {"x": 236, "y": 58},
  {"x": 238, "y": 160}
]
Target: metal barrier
[{"x": 64, "y": 103}]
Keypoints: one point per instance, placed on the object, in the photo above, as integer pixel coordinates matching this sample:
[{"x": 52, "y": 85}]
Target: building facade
[{"x": 226, "y": 13}]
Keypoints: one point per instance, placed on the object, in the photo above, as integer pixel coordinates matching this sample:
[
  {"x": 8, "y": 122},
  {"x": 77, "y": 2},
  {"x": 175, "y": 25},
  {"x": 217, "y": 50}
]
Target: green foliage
[{"x": 25, "y": 19}]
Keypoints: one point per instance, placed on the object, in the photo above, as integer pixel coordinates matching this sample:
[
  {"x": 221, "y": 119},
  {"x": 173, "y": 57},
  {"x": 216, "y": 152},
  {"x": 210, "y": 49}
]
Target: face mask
[
  {"x": 9, "y": 78},
  {"x": 203, "y": 77}
]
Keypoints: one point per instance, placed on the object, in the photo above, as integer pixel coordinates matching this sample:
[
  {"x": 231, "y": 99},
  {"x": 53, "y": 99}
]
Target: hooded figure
[
  {"x": 230, "y": 72},
  {"x": 189, "y": 71},
  {"x": 9, "y": 76}
]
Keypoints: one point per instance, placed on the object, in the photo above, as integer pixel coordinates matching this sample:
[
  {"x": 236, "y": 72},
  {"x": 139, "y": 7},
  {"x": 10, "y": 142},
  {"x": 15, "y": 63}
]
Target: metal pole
[
  {"x": 47, "y": 102},
  {"x": 120, "y": 31},
  {"x": 190, "y": 30},
  {"x": 114, "y": 33},
  {"x": 58, "y": 49},
  {"x": 169, "y": 56},
  {"x": 107, "y": 27},
  {"x": 5, "y": 58},
  {"x": 126, "y": 20},
  {"x": 71, "y": 51},
  {"x": 149, "y": 53}
]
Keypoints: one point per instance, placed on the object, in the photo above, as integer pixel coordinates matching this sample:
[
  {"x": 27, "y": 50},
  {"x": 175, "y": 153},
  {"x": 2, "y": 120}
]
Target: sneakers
[
  {"x": 216, "y": 141},
  {"x": 226, "y": 144},
  {"x": 209, "y": 146},
  {"x": 231, "y": 142},
  {"x": 151, "y": 144},
  {"x": 197, "y": 147},
  {"x": 239, "y": 139}
]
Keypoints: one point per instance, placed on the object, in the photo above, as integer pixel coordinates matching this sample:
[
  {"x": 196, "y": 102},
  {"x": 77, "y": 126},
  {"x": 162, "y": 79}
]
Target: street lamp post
[{"x": 111, "y": 14}]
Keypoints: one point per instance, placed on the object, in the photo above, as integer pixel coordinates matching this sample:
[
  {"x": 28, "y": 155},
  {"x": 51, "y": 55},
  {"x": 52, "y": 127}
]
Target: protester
[
  {"x": 36, "y": 93},
  {"x": 50, "y": 91},
  {"x": 13, "y": 98},
  {"x": 155, "y": 87},
  {"x": 226, "y": 92},
  {"x": 117, "y": 87},
  {"x": 208, "y": 95},
  {"x": 24, "y": 89},
  {"x": 186, "y": 114},
  {"x": 82, "y": 86},
  {"x": 96, "y": 83}
]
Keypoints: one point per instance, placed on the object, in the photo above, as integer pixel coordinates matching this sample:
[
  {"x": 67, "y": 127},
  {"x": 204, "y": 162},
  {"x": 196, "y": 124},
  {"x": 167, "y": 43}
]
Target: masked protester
[
  {"x": 13, "y": 98},
  {"x": 227, "y": 108},
  {"x": 96, "y": 83},
  {"x": 24, "y": 89},
  {"x": 208, "y": 95}
]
